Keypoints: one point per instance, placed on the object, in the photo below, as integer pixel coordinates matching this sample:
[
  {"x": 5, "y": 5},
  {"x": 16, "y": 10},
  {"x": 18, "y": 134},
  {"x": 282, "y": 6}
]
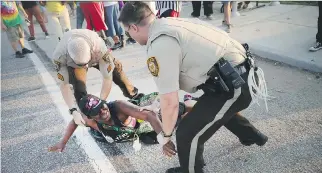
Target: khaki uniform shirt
[
  {"x": 100, "y": 54},
  {"x": 182, "y": 51}
]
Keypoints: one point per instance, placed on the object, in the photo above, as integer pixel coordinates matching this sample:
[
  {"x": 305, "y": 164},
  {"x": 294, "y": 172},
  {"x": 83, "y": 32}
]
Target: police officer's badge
[{"x": 153, "y": 66}]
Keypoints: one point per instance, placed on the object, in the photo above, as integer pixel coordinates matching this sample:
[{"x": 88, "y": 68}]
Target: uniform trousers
[{"x": 212, "y": 111}]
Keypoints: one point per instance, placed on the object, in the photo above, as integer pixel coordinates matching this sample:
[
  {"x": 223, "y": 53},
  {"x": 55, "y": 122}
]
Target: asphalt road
[{"x": 30, "y": 122}]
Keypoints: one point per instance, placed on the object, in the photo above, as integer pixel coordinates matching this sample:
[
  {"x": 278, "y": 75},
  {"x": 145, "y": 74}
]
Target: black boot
[
  {"x": 174, "y": 170},
  {"x": 179, "y": 170},
  {"x": 260, "y": 140}
]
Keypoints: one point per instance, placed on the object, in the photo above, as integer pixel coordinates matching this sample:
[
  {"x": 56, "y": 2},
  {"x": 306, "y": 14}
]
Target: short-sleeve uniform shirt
[
  {"x": 182, "y": 51},
  {"x": 100, "y": 54}
]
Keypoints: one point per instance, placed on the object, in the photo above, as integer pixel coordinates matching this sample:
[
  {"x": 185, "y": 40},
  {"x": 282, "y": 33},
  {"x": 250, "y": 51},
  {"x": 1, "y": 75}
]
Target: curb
[{"x": 269, "y": 54}]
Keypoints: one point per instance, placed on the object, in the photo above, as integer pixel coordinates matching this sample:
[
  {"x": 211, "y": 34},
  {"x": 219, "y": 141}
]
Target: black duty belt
[{"x": 223, "y": 77}]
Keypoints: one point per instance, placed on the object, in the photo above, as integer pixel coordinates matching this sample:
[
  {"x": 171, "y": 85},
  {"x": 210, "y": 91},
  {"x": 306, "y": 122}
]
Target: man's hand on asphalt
[
  {"x": 59, "y": 147},
  {"x": 78, "y": 119}
]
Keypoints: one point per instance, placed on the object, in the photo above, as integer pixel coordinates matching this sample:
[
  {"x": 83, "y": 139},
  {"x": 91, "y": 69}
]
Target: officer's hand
[
  {"x": 169, "y": 149},
  {"x": 78, "y": 119}
]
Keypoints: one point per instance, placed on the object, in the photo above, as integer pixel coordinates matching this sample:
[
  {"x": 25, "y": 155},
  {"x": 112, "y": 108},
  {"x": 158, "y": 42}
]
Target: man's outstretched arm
[{"x": 60, "y": 146}]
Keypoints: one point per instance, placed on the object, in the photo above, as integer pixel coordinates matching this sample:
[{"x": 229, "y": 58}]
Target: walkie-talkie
[
  {"x": 214, "y": 75},
  {"x": 229, "y": 73}
]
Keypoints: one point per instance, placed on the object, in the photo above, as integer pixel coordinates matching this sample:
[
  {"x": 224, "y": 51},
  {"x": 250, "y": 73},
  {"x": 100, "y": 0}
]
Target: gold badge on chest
[{"x": 153, "y": 66}]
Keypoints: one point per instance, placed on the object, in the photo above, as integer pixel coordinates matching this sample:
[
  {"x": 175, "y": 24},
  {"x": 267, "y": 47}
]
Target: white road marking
[{"x": 96, "y": 156}]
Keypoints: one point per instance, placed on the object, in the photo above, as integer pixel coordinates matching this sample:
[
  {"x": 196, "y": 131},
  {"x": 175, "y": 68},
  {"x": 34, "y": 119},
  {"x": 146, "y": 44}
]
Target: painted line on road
[{"x": 96, "y": 156}]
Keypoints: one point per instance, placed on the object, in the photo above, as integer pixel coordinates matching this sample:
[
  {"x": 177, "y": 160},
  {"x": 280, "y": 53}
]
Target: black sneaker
[
  {"x": 117, "y": 46},
  {"x": 130, "y": 41},
  {"x": 97, "y": 135},
  {"x": 31, "y": 39},
  {"x": 26, "y": 51},
  {"x": 317, "y": 47},
  {"x": 19, "y": 55}
]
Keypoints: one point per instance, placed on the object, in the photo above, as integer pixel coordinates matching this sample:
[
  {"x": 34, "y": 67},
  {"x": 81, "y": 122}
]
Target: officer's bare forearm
[
  {"x": 67, "y": 95},
  {"x": 169, "y": 111},
  {"x": 106, "y": 87}
]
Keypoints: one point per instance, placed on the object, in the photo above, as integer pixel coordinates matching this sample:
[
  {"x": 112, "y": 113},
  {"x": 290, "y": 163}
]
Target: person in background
[
  {"x": 168, "y": 8},
  {"x": 72, "y": 7},
  {"x": 32, "y": 9},
  {"x": 43, "y": 12},
  {"x": 207, "y": 5},
  {"x": 11, "y": 23},
  {"x": 227, "y": 13},
  {"x": 318, "y": 44},
  {"x": 129, "y": 40},
  {"x": 94, "y": 16},
  {"x": 79, "y": 16},
  {"x": 59, "y": 16},
  {"x": 115, "y": 30}
]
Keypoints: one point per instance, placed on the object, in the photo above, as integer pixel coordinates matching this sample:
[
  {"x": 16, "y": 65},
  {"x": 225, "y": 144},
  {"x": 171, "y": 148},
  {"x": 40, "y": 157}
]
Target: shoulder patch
[
  {"x": 60, "y": 76},
  {"x": 153, "y": 66},
  {"x": 106, "y": 57}
]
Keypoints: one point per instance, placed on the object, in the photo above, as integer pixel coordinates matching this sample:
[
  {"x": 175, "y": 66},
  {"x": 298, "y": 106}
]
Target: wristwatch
[
  {"x": 72, "y": 110},
  {"x": 165, "y": 135}
]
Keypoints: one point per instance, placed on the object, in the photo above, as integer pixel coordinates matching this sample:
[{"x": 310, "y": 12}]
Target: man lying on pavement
[{"x": 120, "y": 120}]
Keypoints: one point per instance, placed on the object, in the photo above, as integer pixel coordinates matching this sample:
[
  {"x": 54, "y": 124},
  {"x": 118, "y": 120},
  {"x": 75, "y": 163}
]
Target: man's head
[
  {"x": 79, "y": 50},
  {"x": 94, "y": 108},
  {"x": 136, "y": 17}
]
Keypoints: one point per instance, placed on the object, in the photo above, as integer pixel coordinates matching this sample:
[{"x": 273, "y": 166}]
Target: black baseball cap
[{"x": 90, "y": 105}]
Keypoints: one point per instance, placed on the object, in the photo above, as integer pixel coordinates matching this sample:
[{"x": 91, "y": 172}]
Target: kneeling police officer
[
  {"x": 78, "y": 50},
  {"x": 191, "y": 55}
]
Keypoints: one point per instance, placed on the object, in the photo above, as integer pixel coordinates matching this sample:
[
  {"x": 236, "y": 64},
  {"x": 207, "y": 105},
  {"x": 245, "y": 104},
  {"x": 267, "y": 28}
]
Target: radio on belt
[{"x": 230, "y": 73}]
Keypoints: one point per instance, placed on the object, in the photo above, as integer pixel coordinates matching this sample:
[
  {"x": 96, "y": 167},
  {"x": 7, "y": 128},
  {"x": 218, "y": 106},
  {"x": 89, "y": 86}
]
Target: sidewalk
[{"x": 282, "y": 33}]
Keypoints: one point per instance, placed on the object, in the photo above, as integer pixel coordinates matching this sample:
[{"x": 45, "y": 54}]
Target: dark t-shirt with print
[{"x": 28, "y": 4}]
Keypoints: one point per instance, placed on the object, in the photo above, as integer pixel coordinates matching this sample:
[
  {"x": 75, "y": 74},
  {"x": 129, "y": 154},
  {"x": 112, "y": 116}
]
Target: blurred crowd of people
[{"x": 100, "y": 16}]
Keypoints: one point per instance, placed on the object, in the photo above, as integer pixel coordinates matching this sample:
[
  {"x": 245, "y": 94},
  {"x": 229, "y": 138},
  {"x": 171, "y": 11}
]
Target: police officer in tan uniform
[
  {"x": 78, "y": 50},
  {"x": 188, "y": 54}
]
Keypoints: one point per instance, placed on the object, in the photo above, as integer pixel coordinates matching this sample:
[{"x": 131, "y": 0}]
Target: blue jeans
[
  {"x": 79, "y": 18},
  {"x": 114, "y": 27}
]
